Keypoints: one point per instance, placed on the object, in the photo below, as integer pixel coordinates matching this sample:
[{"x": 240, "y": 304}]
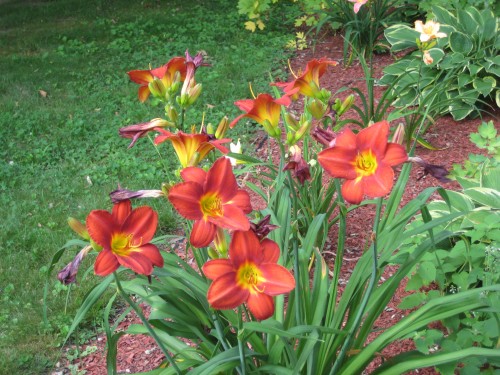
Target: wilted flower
[
  {"x": 427, "y": 58},
  {"x": 358, "y": 4},
  {"x": 365, "y": 160},
  {"x": 139, "y": 130},
  {"x": 166, "y": 74},
  {"x": 124, "y": 235},
  {"x": 251, "y": 275},
  {"x": 324, "y": 136},
  {"x": 428, "y": 31},
  {"x": 212, "y": 199},
  {"x": 298, "y": 164},
  {"x": 68, "y": 274},
  {"x": 191, "y": 148},
  {"x": 439, "y": 172},
  {"x": 308, "y": 83},
  {"x": 263, "y": 227},
  {"x": 119, "y": 194}
]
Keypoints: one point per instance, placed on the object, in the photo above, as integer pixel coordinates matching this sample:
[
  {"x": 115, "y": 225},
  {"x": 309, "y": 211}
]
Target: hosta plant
[
  {"x": 462, "y": 70},
  {"x": 252, "y": 292}
]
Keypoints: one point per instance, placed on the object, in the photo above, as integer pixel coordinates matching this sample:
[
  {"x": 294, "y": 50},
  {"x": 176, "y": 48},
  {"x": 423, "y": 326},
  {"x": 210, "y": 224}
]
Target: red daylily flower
[
  {"x": 251, "y": 275},
  {"x": 365, "y": 160},
  {"x": 264, "y": 109},
  {"x": 308, "y": 83},
  {"x": 212, "y": 199},
  {"x": 124, "y": 235},
  {"x": 164, "y": 73},
  {"x": 191, "y": 148}
]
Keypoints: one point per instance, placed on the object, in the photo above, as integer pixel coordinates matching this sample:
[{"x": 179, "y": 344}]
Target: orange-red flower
[
  {"x": 251, "y": 275},
  {"x": 212, "y": 199},
  {"x": 191, "y": 148},
  {"x": 164, "y": 73},
  {"x": 264, "y": 109},
  {"x": 124, "y": 235},
  {"x": 365, "y": 160},
  {"x": 308, "y": 83}
]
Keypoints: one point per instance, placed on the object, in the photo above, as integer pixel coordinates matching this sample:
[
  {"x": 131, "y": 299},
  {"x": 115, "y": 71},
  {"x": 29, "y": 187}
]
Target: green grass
[{"x": 79, "y": 53}]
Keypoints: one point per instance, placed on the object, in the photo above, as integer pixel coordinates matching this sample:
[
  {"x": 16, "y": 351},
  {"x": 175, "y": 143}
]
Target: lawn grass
[{"x": 61, "y": 154}]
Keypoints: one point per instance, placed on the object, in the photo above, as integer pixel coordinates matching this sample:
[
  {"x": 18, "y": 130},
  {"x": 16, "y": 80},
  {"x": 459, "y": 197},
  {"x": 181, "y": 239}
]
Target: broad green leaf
[
  {"x": 484, "y": 85},
  {"x": 460, "y": 43},
  {"x": 401, "y": 37},
  {"x": 467, "y": 22},
  {"x": 485, "y": 196}
]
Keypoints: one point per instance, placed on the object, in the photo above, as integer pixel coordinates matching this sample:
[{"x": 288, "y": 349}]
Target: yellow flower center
[
  {"x": 365, "y": 163},
  {"x": 211, "y": 205},
  {"x": 122, "y": 245},
  {"x": 249, "y": 277}
]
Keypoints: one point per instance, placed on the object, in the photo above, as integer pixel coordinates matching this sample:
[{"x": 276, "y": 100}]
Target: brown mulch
[{"x": 138, "y": 353}]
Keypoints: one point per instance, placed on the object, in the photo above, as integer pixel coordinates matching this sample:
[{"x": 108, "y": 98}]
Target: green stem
[
  {"x": 241, "y": 348},
  {"x": 366, "y": 297},
  {"x": 144, "y": 321}
]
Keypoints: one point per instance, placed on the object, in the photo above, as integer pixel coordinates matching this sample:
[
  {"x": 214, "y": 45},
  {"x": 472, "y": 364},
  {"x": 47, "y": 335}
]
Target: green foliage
[
  {"x": 78, "y": 54},
  {"x": 465, "y": 72},
  {"x": 467, "y": 261}
]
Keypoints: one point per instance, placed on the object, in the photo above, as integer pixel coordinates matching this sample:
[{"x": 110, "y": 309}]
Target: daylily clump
[
  {"x": 124, "y": 235},
  {"x": 365, "y": 160},
  {"x": 212, "y": 199},
  {"x": 251, "y": 275}
]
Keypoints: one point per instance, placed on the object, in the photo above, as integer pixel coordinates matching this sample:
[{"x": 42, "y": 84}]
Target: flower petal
[
  {"x": 152, "y": 253},
  {"x": 221, "y": 180},
  {"x": 101, "y": 226},
  {"x": 142, "y": 77},
  {"x": 380, "y": 183},
  {"x": 233, "y": 218},
  {"x": 194, "y": 174},
  {"x": 346, "y": 139},
  {"x": 394, "y": 154},
  {"x": 185, "y": 197},
  {"x": 137, "y": 262},
  {"x": 242, "y": 200},
  {"x": 142, "y": 223},
  {"x": 121, "y": 211},
  {"x": 105, "y": 263},
  {"x": 352, "y": 191},
  {"x": 217, "y": 267},
  {"x": 278, "y": 279},
  {"x": 225, "y": 294},
  {"x": 202, "y": 234},
  {"x": 143, "y": 93},
  {"x": 261, "y": 305},
  {"x": 245, "y": 246},
  {"x": 270, "y": 250},
  {"x": 338, "y": 162},
  {"x": 374, "y": 138}
]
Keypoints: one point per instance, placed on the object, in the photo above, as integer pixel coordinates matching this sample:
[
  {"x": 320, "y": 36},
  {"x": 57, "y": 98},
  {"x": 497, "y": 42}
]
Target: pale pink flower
[
  {"x": 428, "y": 31},
  {"x": 358, "y": 4},
  {"x": 427, "y": 58}
]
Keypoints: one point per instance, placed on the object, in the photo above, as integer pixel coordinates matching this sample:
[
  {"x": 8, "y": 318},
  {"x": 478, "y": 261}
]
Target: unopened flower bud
[
  {"x": 172, "y": 113},
  {"x": 78, "y": 227},
  {"x": 210, "y": 129},
  {"x": 346, "y": 104},
  {"x": 303, "y": 130},
  {"x": 317, "y": 108},
  {"x": 291, "y": 122},
  {"x": 337, "y": 105},
  {"x": 157, "y": 88},
  {"x": 222, "y": 128},
  {"x": 194, "y": 94},
  {"x": 399, "y": 135}
]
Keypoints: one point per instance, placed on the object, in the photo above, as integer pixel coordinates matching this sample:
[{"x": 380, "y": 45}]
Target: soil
[{"x": 138, "y": 353}]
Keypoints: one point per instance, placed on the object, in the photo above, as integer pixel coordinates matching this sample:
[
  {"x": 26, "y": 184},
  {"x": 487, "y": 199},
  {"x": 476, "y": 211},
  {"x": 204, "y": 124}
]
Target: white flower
[
  {"x": 235, "y": 149},
  {"x": 428, "y": 31}
]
